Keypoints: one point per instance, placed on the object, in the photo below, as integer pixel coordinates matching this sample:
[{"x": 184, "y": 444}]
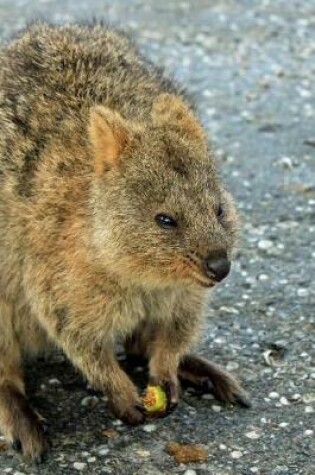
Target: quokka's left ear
[
  {"x": 171, "y": 111},
  {"x": 108, "y": 133}
]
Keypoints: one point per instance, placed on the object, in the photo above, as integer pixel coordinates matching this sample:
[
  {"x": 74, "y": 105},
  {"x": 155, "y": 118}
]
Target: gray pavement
[{"x": 251, "y": 66}]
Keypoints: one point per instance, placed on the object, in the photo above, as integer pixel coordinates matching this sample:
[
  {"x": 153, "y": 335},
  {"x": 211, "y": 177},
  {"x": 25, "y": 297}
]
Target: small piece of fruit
[{"x": 154, "y": 401}]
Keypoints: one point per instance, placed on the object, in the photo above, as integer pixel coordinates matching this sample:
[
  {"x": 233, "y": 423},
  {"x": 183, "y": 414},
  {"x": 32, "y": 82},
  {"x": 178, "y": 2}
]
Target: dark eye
[
  {"x": 220, "y": 211},
  {"x": 165, "y": 221}
]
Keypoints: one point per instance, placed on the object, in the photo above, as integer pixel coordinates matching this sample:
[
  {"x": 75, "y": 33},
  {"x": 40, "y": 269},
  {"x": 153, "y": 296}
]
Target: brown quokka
[{"x": 113, "y": 222}]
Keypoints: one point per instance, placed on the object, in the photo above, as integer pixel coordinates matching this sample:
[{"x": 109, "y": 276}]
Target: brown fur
[{"x": 94, "y": 143}]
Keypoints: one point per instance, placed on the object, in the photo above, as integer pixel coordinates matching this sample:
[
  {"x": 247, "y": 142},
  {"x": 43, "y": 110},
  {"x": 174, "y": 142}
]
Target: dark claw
[
  {"x": 243, "y": 401},
  {"x": 169, "y": 391},
  {"x": 16, "y": 445},
  {"x": 140, "y": 408}
]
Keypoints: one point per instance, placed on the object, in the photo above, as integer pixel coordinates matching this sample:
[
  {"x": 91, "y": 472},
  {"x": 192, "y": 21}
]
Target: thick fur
[{"x": 94, "y": 143}]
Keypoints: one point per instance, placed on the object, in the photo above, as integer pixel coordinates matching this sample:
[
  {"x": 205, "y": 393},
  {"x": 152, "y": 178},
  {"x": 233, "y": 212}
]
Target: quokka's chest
[{"x": 136, "y": 306}]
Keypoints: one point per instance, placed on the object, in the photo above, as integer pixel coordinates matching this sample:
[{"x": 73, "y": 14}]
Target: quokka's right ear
[
  {"x": 171, "y": 111},
  {"x": 108, "y": 134}
]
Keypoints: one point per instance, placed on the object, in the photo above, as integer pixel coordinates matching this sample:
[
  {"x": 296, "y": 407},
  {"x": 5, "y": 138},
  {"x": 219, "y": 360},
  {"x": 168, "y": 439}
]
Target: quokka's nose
[{"x": 217, "y": 267}]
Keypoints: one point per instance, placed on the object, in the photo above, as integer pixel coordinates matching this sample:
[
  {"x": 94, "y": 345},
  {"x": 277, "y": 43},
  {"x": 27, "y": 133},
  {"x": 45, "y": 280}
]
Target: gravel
[{"x": 250, "y": 66}]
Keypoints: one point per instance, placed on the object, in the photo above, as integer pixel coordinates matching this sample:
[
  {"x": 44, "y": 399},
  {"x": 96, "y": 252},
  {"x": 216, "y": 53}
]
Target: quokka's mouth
[
  {"x": 195, "y": 274},
  {"x": 204, "y": 282}
]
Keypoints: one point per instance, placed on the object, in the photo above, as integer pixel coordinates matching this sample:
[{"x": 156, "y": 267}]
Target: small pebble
[
  {"x": 284, "y": 401},
  {"x": 216, "y": 408},
  {"x": 232, "y": 365},
  {"x": 103, "y": 451},
  {"x": 308, "y": 432},
  {"x": 79, "y": 465},
  {"x": 54, "y": 382},
  {"x": 208, "y": 397},
  {"x": 283, "y": 424},
  {"x": 309, "y": 410},
  {"x": 296, "y": 397},
  {"x": 302, "y": 292},
  {"x": 265, "y": 244},
  {"x": 273, "y": 395},
  {"x": 89, "y": 401},
  {"x": 117, "y": 422},
  {"x": 308, "y": 398},
  {"x": 149, "y": 428},
  {"x": 143, "y": 453},
  {"x": 91, "y": 459},
  {"x": 252, "y": 435},
  {"x": 236, "y": 454},
  {"x": 286, "y": 162},
  {"x": 190, "y": 472}
]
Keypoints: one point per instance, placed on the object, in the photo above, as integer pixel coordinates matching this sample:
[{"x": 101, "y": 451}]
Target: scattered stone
[
  {"x": 274, "y": 395},
  {"x": 302, "y": 292},
  {"x": 265, "y": 244},
  {"x": 310, "y": 142},
  {"x": 149, "y": 428},
  {"x": 232, "y": 365},
  {"x": 252, "y": 435},
  {"x": 103, "y": 450},
  {"x": 54, "y": 382},
  {"x": 273, "y": 357},
  {"x": 295, "y": 397},
  {"x": 117, "y": 422},
  {"x": 79, "y": 466},
  {"x": 208, "y": 397},
  {"x": 283, "y": 425},
  {"x": 89, "y": 401},
  {"x": 143, "y": 453},
  {"x": 284, "y": 401},
  {"x": 236, "y": 454},
  {"x": 216, "y": 408}
]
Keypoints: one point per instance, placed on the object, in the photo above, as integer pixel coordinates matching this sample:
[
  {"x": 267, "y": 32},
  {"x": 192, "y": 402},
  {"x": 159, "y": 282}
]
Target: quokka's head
[{"x": 160, "y": 212}]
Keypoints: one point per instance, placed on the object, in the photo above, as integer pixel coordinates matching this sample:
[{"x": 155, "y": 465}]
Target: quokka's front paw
[
  {"x": 27, "y": 433},
  {"x": 210, "y": 377},
  {"x": 127, "y": 406},
  {"x": 133, "y": 414}
]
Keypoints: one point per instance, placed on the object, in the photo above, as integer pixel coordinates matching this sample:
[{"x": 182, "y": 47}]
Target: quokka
[{"x": 114, "y": 225}]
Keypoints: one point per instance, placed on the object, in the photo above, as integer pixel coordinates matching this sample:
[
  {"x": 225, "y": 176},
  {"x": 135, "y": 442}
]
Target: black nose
[{"x": 217, "y": 267}]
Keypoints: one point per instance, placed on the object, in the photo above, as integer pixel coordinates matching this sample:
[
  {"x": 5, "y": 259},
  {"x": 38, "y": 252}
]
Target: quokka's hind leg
[
  {"x": 18, "y": 421},
  {"x": 210, "y": 377}
]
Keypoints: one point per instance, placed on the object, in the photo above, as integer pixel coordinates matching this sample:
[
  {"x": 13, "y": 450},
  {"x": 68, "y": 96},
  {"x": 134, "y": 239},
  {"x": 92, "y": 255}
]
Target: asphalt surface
[{"x": 250, "y": 65}]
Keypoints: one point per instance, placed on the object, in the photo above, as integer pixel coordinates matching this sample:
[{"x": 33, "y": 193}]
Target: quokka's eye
[
  {"x": 220, "y": 211},
  {"x": 165, "y": 221}
]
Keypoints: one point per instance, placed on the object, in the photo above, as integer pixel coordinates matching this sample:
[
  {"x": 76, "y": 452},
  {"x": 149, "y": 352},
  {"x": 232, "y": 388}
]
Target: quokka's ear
[
  {"x": 171, "y": 111},
  {"x": 109, "y": 135}
]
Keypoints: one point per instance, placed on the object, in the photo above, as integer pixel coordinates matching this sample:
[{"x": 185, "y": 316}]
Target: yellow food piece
[{"x": 154, "y": 400}]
